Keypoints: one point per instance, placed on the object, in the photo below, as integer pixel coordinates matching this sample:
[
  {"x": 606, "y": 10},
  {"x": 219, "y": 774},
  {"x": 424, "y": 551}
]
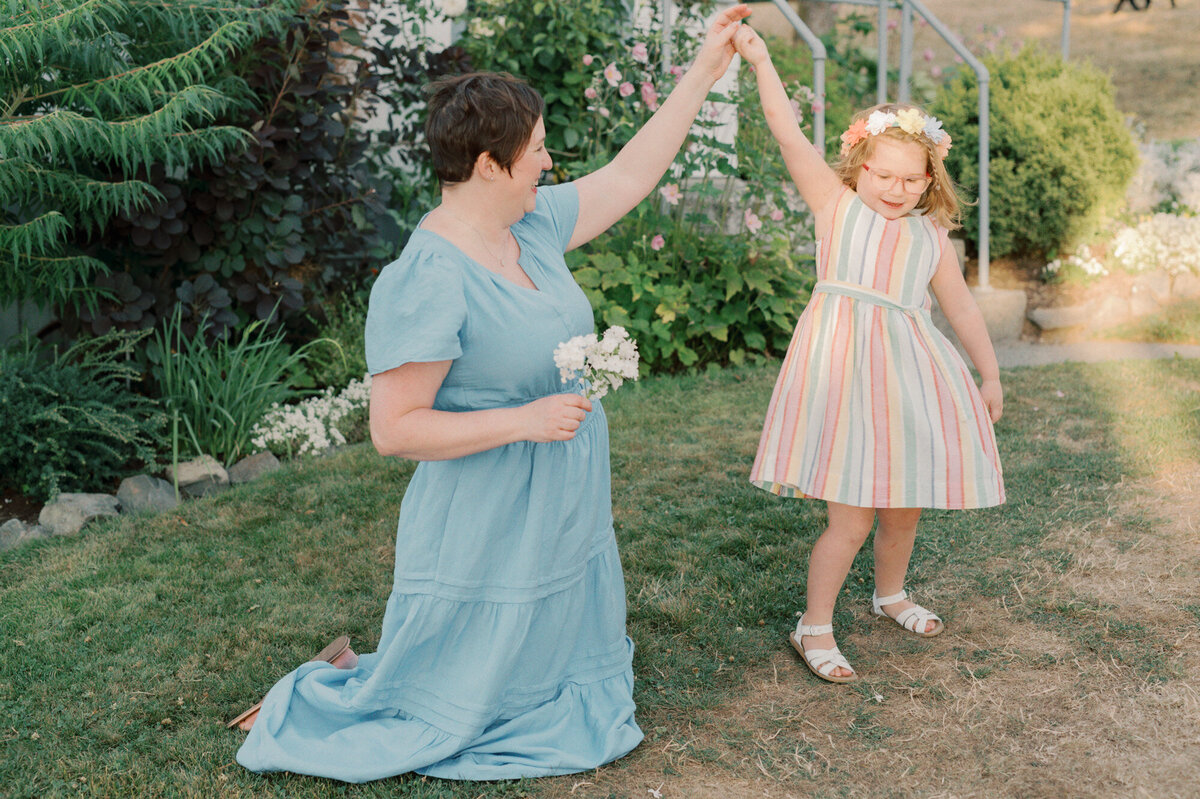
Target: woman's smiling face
[{"x": 528, "y": 168}]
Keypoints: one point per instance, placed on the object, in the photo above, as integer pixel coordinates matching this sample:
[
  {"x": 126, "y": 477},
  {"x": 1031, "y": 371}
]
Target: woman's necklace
[{"x": 482, "y": 240}]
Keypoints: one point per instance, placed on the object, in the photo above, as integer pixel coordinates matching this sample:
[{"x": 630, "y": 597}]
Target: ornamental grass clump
[{"x": 219, "y": 391}]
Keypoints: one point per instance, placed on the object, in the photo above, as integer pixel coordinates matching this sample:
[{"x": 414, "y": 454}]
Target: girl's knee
[{"x": 849, "y": 532}]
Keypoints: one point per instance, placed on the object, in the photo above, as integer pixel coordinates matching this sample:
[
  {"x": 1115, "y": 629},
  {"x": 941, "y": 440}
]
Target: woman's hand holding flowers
[{"x": 555, "y": 418}]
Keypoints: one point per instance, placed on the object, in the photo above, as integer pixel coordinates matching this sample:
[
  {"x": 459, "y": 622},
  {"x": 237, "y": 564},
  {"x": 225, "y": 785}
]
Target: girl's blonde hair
[{"x": 940, "y": 200}]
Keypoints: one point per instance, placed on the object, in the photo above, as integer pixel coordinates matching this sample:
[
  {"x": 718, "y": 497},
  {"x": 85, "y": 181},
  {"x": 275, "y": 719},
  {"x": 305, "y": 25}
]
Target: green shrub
[
  {"x": 712, "y": 299},
  {"x": 1061, "y": 154},
  {"x": 220, "y": 391},
  {"x": 341, "y": 357},
  {"x": 71, "y": 420},
  {"x": 545, "y": 42}
]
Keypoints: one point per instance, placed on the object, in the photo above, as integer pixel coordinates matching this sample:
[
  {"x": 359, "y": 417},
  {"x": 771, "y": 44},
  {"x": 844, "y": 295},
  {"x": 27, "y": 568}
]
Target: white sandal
[
  {"x": 913, "y": 619},
  {"x": 820, "y": 662}
]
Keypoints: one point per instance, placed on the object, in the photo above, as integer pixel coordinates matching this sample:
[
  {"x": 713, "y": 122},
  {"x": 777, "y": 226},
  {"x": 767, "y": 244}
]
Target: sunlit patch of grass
[{"x": 1177, "y": 323}]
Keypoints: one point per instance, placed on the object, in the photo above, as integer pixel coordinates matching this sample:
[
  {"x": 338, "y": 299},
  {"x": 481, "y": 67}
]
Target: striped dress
[{"x": 873, "y": 406}]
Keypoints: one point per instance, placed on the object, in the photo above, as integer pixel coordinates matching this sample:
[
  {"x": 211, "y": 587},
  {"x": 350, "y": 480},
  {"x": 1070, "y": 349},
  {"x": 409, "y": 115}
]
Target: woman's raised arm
[{"x": 612, "y": 191}]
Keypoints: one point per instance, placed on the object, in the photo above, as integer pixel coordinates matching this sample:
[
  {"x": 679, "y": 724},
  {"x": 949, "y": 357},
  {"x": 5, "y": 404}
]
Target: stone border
[
  {"x": 1146, "y": 294},
  {"x": 143, "y": 493}
]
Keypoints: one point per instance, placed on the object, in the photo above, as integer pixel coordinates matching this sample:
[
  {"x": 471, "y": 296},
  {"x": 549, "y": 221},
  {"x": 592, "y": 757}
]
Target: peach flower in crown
[{"x": 909, "y": 120}]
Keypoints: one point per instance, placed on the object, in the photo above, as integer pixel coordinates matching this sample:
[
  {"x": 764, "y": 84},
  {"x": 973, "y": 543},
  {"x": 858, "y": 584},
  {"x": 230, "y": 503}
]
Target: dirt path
[
  {"x": 1006, "y": 704},
  {"x": 1152, "y": 55}
]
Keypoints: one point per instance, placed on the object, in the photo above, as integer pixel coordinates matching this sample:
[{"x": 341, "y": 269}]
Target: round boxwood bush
[{"x": 1061, "y": 153}]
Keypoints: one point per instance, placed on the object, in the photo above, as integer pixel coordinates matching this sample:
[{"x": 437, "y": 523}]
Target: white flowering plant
[
  {"x": 1168, "y": 180},
  {"x": 309, "y": 427},
  {"x": 1080, "y": 266},
  {"x": 602, "y": 364}
]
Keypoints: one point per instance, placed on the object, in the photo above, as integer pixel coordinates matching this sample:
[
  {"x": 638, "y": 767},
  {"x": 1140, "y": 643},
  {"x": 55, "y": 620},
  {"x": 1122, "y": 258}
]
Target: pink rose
[
  {"x": 589, "y": 93},
  {"x": 671, "y": 193},
  {"x": 639, "y": 53},
  {"x": 604, "y": 113},
  {"x": 657, "y": 243},
  {"x": 776, "y": 215},
  {"x": 650, "y": 96},
  {"x": 625, "y": 89},
  {"x": 928, "y": 54},
  {"x": 676, "y": 72},
  {"x": 587, "y": 60},
  {"x": 612, "y": 74},
  {"x": 753, "y": 223}
]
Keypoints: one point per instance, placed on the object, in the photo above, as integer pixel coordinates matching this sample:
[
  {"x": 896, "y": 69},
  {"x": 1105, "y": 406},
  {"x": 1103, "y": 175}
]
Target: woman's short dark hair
[{"x": 480, "y": 112}]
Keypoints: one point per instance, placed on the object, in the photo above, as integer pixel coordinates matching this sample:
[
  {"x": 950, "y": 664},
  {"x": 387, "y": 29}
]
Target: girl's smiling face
[{"x": 894, "y": 177}]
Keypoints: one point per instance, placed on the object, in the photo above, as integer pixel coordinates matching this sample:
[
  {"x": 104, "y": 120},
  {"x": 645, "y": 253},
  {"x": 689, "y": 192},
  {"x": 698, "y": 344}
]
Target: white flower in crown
[
  {"x": 879, "y": 121},
  {"x": 911, "y": 121},
  {"x": 933, "y": 130}
]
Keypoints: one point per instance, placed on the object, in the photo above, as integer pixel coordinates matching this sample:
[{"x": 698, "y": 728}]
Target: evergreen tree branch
[
  {"x": 166, "y": 75},
  {"x": 86, "y": 202}
]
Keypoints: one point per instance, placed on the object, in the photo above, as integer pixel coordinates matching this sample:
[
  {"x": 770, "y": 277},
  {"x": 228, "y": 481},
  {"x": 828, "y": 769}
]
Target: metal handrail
[{"x": 984, "y": 79}]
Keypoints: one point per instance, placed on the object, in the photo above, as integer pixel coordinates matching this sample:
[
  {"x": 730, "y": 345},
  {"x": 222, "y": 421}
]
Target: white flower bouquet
[{"x": 602, "y": 364}]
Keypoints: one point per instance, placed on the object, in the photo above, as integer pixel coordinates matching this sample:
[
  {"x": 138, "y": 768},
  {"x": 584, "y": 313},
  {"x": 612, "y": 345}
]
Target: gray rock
[
  {"x": 70, "y": 512},
  {"x": 146, "y": 493},
  {"x": 1186, "y": 286},
  {"x": 253, "y": 467},
  {"x": 1061, "y": 317},
  {"x": 15, "y": 532},
  {"x": 1156, "y": 284},
  {"x": 960, "y": 247},
  {"x": 1142, "y": 303},
  {"x": 200, "y": 477},
  {"x": 1003, "y": 311},
  {"x": 1110, "y": 311}
]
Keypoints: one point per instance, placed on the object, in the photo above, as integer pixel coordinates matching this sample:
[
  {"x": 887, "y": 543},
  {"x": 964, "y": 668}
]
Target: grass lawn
[
  {"x": 1071, "y": 615},
  {"x": 1178, "y": 323}
]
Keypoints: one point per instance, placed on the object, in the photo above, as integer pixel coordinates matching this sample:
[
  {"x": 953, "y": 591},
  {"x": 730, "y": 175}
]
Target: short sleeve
[
  {"x": 416, "y": 313},
  {"x": 555, "y": 214}
]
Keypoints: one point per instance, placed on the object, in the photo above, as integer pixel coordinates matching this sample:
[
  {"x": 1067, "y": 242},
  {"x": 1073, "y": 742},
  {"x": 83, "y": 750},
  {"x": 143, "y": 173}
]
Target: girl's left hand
[
  {"x": 993, "y": 398},
  {"x": 717, "y": 51}
]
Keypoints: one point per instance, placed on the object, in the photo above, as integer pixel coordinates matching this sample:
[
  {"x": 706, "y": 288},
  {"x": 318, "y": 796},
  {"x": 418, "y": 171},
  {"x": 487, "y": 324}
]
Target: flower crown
[{"x": 910, "y": 120}]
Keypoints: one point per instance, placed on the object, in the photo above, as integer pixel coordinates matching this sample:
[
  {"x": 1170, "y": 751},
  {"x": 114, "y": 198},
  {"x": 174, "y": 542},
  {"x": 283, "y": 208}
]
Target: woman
[{"x": 503, "y": 652}]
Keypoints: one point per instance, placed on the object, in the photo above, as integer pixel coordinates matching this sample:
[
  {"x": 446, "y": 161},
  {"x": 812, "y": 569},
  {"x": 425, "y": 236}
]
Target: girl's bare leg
[
  {"x": 893, "y": 549},
  {"x": 832, "y": 556}
]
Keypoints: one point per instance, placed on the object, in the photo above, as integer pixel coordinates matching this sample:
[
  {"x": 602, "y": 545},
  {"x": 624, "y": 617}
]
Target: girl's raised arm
[{"x": 817, "y": 182}]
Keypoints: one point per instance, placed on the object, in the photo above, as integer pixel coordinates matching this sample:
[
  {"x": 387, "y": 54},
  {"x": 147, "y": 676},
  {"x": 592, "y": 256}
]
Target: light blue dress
[{"x": 503, "y": 652}]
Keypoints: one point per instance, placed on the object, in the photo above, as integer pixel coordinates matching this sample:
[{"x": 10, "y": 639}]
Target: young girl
[{"x": 874, "y": 411}]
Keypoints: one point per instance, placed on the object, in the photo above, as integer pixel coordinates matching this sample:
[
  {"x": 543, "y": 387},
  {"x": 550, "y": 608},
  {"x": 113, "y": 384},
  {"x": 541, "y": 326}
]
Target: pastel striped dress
[{"x": 873, "y": 406}]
